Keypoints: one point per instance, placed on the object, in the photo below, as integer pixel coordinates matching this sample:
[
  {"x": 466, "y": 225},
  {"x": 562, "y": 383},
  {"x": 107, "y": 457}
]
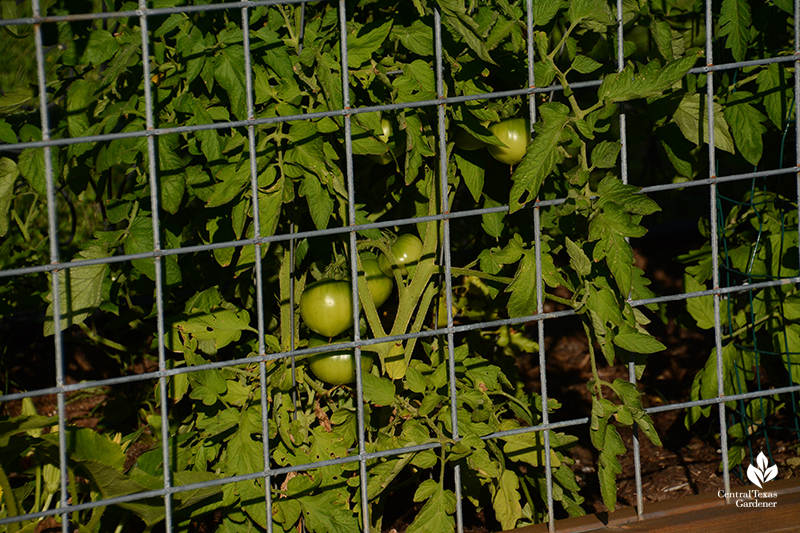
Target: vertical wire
[
  {"x": 262, "y": 365},
  {"x": 796, "y": 118},
  {"x": 623, "y": 155},
  {"x": 300, "y": 37},
  {"x": 441, "y": 108},
  {"x": 351, "y": 214},
  {"x": 723, "y": 432},
  {"x": 152, "y": 154},
  {"x": 537, "y": 232},
  {"x": 796, "y": 136},
  {"x": 52, "y": 220}
]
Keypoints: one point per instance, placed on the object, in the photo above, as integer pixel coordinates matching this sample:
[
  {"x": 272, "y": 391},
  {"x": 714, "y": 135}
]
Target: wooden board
[{"x": 704, "y": 513}]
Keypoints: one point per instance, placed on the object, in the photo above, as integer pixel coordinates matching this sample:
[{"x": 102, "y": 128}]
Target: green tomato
[
  {"x": 326, "y": 307},
  {"x": 380, "y": 285},
  {"x": 389, "y": 138},
  {"x": 407, "y": 250},
  {"x": 515, "y": 133},
  {"x": 337, "y": 367}
]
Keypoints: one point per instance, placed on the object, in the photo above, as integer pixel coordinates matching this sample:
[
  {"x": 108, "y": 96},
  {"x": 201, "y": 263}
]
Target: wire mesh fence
[{"x": 141, "y": 135}]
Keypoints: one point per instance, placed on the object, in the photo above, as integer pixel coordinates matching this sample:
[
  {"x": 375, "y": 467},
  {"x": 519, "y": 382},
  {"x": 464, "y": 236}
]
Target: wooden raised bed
[{"x": 705, "y": 513}]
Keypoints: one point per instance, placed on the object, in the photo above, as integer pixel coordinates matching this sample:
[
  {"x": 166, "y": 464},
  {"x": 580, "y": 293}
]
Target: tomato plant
[
  {"x": 337, "y": 367},
  {"x": 218, "y": 307},
  {"x": 327, "y": 307},
  {"x": 407, "y": 250},
  {"x": 515, "y": 134}
]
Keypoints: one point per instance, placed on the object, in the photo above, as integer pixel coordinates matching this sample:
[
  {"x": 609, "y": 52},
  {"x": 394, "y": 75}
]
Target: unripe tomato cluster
[
  {"x": 514, "y": 133},
  {"x": 326, "y": 307}
]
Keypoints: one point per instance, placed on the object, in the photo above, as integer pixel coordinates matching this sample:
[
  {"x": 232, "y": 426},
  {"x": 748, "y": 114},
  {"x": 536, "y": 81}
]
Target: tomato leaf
[
  {"x": 638, "y": 343},
  {"x": 369, "y": 39},
  {"x": 775, "y": 89},
  {"x": 735, "y": 22},
  {"x": 379, "y": 391},
  {"x": 522, "y": 301},
  {"x": 436, "y": 516},
  {"x": 8, "y": 177},
  {"x": 652, "y": 80},
  {"x": 506, "y": 500},
  {"x": 461, "y": 24},
  {"x": 229, "y": 73},
  {"x": 80, "y": 290},
  {"x": 746, "y": 124},
  {"x": 692, "y": 119},
  {"x": 319, "y": 202},
  {"x": 541, "y": 158}
]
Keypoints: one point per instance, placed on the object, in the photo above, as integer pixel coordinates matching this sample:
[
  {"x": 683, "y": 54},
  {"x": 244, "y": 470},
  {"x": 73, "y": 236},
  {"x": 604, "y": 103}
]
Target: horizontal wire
[
  {"x": 371, "y": 225},
  {"x": 381, "y": 340},
  {"x": 379, "y": 454}
]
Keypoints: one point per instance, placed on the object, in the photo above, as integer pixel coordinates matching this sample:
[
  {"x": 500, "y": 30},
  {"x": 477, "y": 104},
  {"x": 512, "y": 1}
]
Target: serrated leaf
[
  {"x": 221, "y": 326},
  {"x": 543, "y": 12},
  {"x": 369, "y": 39},
  {"x": 329, "y": 511},
  {"x": 528, "y": 448},
  {"x": 472, "y": 174},
  {"x": 701, "y": 308},
  {"x": 541, "y": 157},
  {"x": 604, "y": 155},
  {"x": 776, "y": 90},
  {"x": 8, "y": 177},
  {"x": 506, "y": 500},
  {"x": 139, "y": 239},
  {"x": 652, "y": 80},
  {"x": 578, "y": 260},
  {"x": 607, "y": 474},
  {"x": 594, "y": 14},
  {"x": 611, "y": 189},
  {"x": 492, "y": 223},
  {"x": 80, "y": 291},
  {"x": 637, "y": 342},
  {"x": 416, "y": 83},
  {"x": 436, "y": 516},
  {"x": 736, "y": 23},
  {"x": 788, "y": 346},
  {"x": 746, "y": 125},
  {"x": 379, "y": 391},
  {"x": 522, "y": 301},
  {"x": 320, "y": 204},
  {"x": 692, "y": 120},
  {"x": 229, "y": 73},
  {"x": 584, "y": 65},
  {"x": 661, "y": 32},
  {"x": 418, "y": 37},
  {"x": 31, "y": 166},
  {"x": 17, "y": 98},
  {"x": 7, "y": 134},
  {"x": 101, "y": 47},
  {"x": 461, "y": 24}
]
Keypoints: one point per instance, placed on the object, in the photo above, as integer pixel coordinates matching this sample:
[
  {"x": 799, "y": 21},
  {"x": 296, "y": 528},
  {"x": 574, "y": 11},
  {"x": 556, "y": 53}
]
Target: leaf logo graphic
[{"x": 763, "y": 473}]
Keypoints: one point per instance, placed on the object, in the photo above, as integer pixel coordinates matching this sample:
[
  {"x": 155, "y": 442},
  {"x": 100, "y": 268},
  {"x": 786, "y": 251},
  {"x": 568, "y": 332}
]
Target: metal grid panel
[{"x": 57, "y": 267}]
